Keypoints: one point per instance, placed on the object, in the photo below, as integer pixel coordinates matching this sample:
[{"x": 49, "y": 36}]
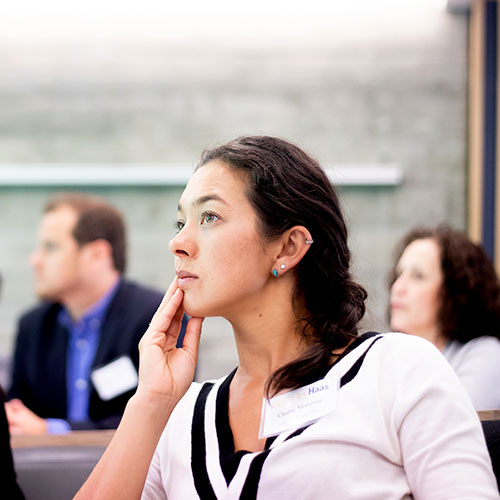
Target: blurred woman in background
[{"x": 445, "y": 289}]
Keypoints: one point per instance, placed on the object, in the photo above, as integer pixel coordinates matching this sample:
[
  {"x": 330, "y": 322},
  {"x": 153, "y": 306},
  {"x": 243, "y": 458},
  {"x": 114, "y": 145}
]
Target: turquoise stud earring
[{"x": 275, "y": 273}]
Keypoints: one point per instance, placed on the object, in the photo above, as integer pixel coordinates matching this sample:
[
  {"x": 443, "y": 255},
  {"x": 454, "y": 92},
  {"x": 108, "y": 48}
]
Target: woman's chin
[
  {"x": 397, "y": 327},
  {"x": 194, "y": 310},
  {"x": 193, "y": 306}
]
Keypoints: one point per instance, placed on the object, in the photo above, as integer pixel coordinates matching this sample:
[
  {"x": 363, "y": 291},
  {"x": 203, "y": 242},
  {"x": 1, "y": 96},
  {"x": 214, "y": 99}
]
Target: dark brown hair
[
  {"x": 470, "y": 292},
  {"x": 286, "y": 187},
  {"x": 97, "y": 219}
]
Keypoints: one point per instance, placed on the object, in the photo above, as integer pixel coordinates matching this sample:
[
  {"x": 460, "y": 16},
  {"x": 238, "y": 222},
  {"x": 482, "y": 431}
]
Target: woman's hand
[{"x": 166, "y": 371}]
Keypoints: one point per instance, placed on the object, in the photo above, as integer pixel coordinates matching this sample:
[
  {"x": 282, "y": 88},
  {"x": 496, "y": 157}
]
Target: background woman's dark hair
[
  {"x": 287, "y": 188},
  {"x": 470, "y": 293}
]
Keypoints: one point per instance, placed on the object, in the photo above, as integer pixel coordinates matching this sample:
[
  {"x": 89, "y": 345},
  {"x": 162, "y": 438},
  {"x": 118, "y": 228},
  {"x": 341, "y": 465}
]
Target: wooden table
[
  {"x": 102, "y": 438},
  {"x": 74, "y": 438},
  {"x": 489, "y": 414}
]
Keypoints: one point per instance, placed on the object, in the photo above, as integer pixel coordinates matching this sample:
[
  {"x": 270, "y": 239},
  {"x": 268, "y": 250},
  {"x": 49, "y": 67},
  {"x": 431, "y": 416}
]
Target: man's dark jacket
[{"x": 39, "y": 369}]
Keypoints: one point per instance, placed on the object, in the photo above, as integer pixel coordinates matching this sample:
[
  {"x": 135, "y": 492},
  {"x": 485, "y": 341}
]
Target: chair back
[
  {"x": 491, "y": 429},
  {"x": 54, "y": 472}
]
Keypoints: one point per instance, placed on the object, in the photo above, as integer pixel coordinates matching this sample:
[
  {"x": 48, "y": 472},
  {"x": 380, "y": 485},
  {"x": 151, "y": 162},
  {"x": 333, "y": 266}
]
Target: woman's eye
[
  {"x": 208, "y": 218},
  {"x": 179, "y": 225}
]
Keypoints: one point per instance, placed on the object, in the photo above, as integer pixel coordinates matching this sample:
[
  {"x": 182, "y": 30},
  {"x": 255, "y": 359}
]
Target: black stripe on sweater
[{"x": 199, "y": 446}]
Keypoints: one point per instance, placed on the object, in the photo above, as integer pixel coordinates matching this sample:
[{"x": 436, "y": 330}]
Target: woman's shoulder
[
  {"x": 398, "y": 342},
  {"x": 485, "y": 346},
  {"x": 394, "y": 353},
  {"x": 484, "y": 342},
  {"x": 403, "y": 355}
]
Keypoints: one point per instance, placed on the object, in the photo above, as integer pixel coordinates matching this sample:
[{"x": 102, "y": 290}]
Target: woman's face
[
  {"x": 415, "y": 298},
  {"x": 221, "y": 262}
]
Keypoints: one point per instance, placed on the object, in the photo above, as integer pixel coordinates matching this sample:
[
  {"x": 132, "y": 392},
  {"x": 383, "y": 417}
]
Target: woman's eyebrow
[{"x": 204, "y": 199}]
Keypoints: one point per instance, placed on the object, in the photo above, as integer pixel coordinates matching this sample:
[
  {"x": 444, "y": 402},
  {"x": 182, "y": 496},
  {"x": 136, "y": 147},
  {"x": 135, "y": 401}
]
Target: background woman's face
[
  {"x": 222, "y": 262},
  {"x": 415, "y": 298}
]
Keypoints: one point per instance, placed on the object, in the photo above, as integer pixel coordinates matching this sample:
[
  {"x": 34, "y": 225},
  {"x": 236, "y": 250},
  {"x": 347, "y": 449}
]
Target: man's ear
[
  {"x": 295, "y": 243},
  {"x": 99, "y": 251}
]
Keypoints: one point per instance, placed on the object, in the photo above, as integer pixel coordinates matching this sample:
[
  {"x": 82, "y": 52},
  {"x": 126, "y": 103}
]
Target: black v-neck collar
[{"x": 230, "y": 459}]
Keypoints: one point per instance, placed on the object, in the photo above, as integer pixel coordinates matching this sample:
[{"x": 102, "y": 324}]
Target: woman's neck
[
  {"x": 267, "y": 343},
  {"x": 267, "y": 330},
  {"x": 440, "y": 342},
  {"x": 433, "y": 335}
]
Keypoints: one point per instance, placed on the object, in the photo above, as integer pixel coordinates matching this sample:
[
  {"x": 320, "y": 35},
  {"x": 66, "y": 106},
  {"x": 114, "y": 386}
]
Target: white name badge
[
  {"x": 115, "y": 378},
  {"x": 299, "y": 407}
]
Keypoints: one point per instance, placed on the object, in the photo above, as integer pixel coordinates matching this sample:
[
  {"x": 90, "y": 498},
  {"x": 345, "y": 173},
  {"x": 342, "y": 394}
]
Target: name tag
[
  {"x": 115, "y": 378},
  {"x": 299, "y": 407}
]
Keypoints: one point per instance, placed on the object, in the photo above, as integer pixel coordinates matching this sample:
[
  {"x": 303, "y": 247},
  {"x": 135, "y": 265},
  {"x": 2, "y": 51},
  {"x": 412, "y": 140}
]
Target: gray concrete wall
[{"x": 381, "y": 100}]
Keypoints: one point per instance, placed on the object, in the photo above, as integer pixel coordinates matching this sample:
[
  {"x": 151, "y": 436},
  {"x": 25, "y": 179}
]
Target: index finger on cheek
[
  {"x": 171, "y": 312},
  {"x": 170, "y": 291},
  {"x": 166, "y": 298}
]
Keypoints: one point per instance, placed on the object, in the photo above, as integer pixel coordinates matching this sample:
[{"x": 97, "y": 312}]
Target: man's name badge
[
  {"x": 299, "y": 407},
  {"x": 115, "y": 378}
]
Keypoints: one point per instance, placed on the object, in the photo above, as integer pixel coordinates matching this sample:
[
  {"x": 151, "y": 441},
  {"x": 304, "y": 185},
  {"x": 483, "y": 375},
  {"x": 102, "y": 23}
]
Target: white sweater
[
  {"x": 477, "y": 364},
  {"x": 403, "y": 428}
]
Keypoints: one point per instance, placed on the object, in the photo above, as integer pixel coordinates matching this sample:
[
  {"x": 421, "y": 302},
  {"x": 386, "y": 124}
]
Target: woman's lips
[{"x": 184, "y": 278}]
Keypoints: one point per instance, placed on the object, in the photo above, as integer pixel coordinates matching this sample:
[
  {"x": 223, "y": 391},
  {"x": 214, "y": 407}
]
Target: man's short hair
[{"x": 96, "y": 219}]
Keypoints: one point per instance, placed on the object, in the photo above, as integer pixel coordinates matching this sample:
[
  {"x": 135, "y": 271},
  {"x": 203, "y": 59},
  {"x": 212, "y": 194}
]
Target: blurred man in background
[{"x": 76, "y": 356}]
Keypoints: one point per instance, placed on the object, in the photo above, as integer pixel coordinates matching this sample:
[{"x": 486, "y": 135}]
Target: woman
[
  {"x": 262, "y": 242},
  {"x": 445, "y": 289}
]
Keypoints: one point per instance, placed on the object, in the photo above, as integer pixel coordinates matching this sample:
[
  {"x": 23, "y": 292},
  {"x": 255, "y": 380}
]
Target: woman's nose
[
  {"x": 399, "y": 286},
  {"x": 182, "y": 244}
]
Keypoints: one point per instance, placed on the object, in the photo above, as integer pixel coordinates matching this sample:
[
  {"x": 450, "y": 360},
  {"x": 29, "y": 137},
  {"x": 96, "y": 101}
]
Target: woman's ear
[{"x": 295, "y": 242}]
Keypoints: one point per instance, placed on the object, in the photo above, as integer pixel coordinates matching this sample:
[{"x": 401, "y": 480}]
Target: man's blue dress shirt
[{"x": 83, "y": 341}]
